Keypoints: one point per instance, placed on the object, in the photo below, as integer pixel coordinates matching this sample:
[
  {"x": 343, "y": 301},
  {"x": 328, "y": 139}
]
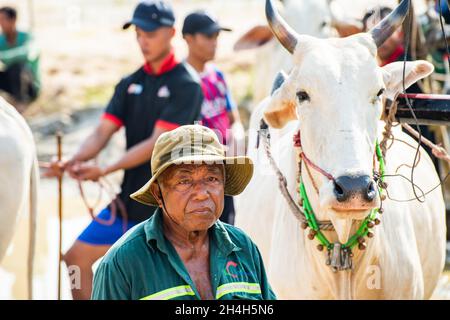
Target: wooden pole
[{"x": 60, "y": 208}]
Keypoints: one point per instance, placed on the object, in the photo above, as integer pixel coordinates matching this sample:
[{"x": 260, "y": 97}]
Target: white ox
[
  {"x": 334, "y": 96},
  {"x": 19, "y": 179}
]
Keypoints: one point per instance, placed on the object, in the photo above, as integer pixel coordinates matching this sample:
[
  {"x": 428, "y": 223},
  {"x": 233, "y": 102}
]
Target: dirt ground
[{"x": 84, "y": 53}]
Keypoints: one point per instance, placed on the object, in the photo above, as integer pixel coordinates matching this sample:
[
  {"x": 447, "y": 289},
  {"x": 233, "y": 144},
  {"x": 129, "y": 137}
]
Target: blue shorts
[{"x": 100, "y": 234}]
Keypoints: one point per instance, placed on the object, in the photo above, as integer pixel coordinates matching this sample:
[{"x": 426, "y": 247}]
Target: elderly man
[{"x": 183, "y": 251}]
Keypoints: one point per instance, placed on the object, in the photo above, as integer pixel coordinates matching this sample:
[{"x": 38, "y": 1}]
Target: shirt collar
[
  {"x": 206, "y": 71},
  {"x": 168, "y": 64},
  {"x": 154, "y": 231}
]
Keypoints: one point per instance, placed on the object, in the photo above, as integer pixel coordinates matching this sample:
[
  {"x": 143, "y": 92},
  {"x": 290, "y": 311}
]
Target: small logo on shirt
[
  {"x": 231, "y": 264},
  {"x": 135, "y": 88},
  {"x": 163, "y": 92}
]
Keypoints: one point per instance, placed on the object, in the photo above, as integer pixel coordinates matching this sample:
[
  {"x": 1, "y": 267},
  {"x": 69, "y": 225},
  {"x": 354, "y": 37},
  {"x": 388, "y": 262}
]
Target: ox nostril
[
  {"x": 339, "y": 192},
  {"x": 362, "y": 187}
]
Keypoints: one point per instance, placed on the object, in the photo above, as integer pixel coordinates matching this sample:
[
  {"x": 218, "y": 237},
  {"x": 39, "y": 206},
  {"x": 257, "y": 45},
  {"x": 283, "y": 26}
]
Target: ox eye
[{"x": 302, "y": 96}]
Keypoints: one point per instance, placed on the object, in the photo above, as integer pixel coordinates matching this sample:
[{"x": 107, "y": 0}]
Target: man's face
[
  {"x": 7, "y": 24},
  {"x": 203, "y": 46},
  {"x": 154, "y": 44},
  {"x": 193, "y": 195}
]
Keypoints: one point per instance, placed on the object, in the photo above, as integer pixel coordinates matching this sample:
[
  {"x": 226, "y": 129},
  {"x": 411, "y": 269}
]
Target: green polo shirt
[{"x": 144, "y": 265}]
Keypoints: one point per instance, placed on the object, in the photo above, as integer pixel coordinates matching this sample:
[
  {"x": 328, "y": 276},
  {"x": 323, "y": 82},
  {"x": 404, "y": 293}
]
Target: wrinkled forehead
[
  {"x": 350, "y": 62},
  {"x": 192, "y": 169}
]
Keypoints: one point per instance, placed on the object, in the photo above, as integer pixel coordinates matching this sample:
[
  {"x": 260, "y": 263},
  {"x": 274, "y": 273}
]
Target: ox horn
[
  {"x": 386, "y": 27},
  {"x": 284, "y": 33}
]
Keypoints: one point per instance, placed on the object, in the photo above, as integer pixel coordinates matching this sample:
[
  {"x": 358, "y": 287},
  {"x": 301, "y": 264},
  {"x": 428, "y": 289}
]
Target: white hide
[
  {"x": 18, "y": 178},
  {"x": 339, "y": 126}
]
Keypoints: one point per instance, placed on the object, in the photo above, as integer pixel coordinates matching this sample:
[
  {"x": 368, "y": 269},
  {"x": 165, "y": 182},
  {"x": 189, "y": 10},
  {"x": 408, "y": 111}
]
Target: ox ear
[
  {"x": 414, "y": 71},
  {"x": 254, "y": 38},
  {"x": 278, "y": 82},
  {"x": 280, "y": 109}
]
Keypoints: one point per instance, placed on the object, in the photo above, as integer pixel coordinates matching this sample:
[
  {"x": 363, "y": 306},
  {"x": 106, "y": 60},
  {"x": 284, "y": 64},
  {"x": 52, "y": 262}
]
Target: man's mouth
[{"x": 201, "y": 211}]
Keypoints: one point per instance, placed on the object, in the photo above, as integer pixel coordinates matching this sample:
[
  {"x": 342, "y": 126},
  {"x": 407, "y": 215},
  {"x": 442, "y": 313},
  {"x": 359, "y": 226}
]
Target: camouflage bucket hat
[{"x": 194, "y": 144}]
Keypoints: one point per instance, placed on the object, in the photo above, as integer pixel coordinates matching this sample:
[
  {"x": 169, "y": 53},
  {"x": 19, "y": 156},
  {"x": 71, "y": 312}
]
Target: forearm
[{"x": 91, "y": 147}]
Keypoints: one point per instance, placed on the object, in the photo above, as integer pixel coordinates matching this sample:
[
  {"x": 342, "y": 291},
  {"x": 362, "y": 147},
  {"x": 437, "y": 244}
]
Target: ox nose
[{"x": 346, "y": 187}]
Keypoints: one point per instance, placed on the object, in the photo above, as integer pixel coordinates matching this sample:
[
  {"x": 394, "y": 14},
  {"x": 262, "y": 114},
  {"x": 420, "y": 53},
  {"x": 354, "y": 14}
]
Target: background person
[{"x": 158, "y": 97}]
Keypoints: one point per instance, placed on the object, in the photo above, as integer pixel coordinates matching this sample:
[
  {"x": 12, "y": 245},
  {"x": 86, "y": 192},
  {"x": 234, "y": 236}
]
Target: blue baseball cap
[
  {"x": 151, "y": 15},
  {"x": 201, "y": 22}
]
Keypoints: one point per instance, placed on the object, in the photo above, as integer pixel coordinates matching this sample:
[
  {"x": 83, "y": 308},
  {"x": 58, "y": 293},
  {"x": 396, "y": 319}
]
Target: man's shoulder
[
  {"x": 135, "y": 75},
  {"x": 212, "y": 69},
  {"x": 24, "y": 38},
  {"x": 133, "y": 78},
  {"x": 238, "y": 236},
  {"x": 183, "y": 74},
  {"x": 24, "y": 34}
]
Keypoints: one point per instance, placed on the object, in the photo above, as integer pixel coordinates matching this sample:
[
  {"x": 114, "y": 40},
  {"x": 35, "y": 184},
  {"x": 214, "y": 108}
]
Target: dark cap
[
  {"x": 151, "y": 15},
  {"x": 201, "y": 22}
]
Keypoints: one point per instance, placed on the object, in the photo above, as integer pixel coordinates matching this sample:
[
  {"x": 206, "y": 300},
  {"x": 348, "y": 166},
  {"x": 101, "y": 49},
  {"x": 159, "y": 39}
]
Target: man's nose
[{"x": 200, "y": 190}]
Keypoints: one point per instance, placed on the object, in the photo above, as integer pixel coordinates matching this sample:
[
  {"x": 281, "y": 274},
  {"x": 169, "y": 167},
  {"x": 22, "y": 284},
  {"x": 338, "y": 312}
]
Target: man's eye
[
  {"x": 184, "y": 182},
  {"x": 212, "y": 179}
]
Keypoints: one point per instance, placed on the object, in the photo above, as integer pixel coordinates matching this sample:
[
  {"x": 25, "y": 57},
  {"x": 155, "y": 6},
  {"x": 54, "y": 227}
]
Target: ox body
[{"x": 19, "y": 178}]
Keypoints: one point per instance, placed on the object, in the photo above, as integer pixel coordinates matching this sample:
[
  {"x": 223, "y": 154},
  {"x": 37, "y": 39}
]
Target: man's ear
[
  {"x": 414, "y": 71},
  {"x": 156, "y": 193},
  {"x": 188, "y": 38},
  {"x": 172, "y": 32}
]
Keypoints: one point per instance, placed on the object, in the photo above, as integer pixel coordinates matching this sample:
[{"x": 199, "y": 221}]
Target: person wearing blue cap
[
  {"x": 160, "y": 96},
  {"x": 219, "y": 112}
]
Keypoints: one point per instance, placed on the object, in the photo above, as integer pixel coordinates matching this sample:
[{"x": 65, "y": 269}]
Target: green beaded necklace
[{"x": 364, "y": 230}]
